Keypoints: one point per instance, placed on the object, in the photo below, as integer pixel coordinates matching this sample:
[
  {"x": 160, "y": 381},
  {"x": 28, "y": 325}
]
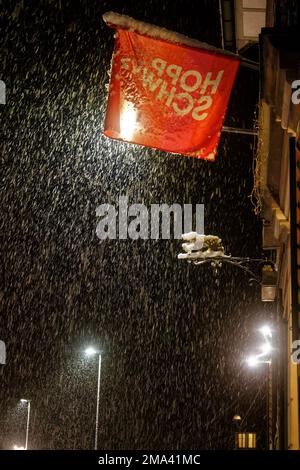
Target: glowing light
[
  {"x": 237, "y": 418},
  {"x": 90, "y": 351},
  {"x": 266, "y": 349},
  {"x": 24, "y": 400},
  {"x": 19, "y": 448},
  {"x": 266, "y": 331},
  {"x": 128, "y": 124},
  {"x": 252, "y": 361}
]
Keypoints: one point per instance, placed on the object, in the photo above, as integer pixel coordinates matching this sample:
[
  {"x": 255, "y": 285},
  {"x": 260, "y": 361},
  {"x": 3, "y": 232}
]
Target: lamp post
[
  {"x": 264, "y": 357},
  {"x": 90, "y": 351},
  {"x": 266, "y": 350},
  {"x": 24, "y": 400}
]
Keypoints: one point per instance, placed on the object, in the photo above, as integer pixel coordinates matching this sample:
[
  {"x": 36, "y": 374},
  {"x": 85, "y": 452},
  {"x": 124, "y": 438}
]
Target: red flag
[{"x": 168, "y": 96}]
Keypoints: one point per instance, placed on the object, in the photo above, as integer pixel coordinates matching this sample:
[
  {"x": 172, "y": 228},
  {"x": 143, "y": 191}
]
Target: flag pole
[
  {"x": 115, "y": 20},
  {"x": 250, "y": 64},
  {"x": 238, "y": 130}
]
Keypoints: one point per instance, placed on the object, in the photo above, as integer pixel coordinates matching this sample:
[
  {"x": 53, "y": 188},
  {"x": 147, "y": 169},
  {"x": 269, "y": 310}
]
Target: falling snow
[{"x": 172, "y": 337}]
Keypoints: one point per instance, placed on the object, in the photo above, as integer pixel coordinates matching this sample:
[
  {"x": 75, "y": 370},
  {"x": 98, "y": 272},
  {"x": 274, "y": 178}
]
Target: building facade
[
  {"x": 274, "y": 27},
  {"x": 276, "y": 187}
]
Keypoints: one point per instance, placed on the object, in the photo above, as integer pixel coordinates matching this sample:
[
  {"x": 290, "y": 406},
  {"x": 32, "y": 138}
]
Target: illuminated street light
[
  {"x": 266, "y": 349},
  {"x": 252, "y": 361},
  {"x": 264, "y": 357},
  {"x": 24, "y": 400},
  {"x": 237, "y": 418},
  {"x": 266, "y": 331},
  {"x": 90, "y": 351}
]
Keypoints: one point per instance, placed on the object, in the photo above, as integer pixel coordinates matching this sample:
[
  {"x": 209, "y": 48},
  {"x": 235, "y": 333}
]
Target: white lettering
[
  {"x": 191, "y": 86},
  {"x": 207, "y": 102},
  {"x": 213, "y": 83},
  {"x": 185, "y": 110}
]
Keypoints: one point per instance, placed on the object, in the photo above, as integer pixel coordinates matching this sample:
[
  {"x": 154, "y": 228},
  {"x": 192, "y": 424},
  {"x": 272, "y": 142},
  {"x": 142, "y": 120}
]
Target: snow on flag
[{"x": 167, "y": 91}]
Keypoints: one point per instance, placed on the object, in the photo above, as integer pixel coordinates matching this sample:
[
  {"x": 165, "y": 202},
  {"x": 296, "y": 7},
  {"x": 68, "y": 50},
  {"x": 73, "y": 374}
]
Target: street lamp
[
  {"x": 264, "y": 357},
  {"x": 266, "y": 331},
  {"x": 266, "y": 349},
  {"x": 237, "y": 419},
  {"x": 252, "y": 361},
  {"x": 89, "y": 352},
  {"x": 24, "y": 400}
]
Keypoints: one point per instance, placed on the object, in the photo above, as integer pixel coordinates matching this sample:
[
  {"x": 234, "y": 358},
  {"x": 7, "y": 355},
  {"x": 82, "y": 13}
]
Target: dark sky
[{"x": 172, "y": 337}]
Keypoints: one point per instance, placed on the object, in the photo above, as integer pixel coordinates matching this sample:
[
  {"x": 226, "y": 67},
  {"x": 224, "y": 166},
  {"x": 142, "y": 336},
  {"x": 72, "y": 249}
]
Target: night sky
[{"x": 173, "y": 336}]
